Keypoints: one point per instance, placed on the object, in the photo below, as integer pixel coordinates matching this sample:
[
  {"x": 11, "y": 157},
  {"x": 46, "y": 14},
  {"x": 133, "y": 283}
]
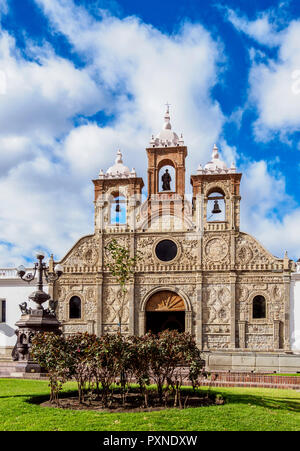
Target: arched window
[
  {"x": 75, "y": 307},
  {"x": 259, "y": 307},
  {"x": 216, "y": 206},
  {"x": 118, "y": 210}
]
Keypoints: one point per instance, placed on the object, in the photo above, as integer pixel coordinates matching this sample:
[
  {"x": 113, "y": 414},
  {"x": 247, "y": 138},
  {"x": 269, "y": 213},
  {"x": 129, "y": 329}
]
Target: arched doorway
[{"x": 165, "y": 310}]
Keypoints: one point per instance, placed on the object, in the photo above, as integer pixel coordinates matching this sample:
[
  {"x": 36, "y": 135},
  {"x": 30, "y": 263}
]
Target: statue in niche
[{"x": 166, "y": 179}]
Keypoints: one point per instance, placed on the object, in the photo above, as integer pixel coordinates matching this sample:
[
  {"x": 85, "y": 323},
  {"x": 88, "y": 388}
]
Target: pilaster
[{"x": 232, "y": 310}]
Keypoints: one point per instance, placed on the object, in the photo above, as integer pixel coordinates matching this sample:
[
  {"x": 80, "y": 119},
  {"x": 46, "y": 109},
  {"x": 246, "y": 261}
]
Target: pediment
[
  {"x": 250, "y": 252},
  {"x": 85, "y": 252}
]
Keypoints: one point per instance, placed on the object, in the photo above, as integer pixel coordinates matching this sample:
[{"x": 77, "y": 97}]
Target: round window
[{"x": 166, "y": 250}]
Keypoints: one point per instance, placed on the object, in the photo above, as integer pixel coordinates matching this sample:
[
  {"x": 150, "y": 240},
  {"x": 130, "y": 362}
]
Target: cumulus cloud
[
  {"x": 274, "y": 80},
  {"x": 267, "y": 211},
  {"x": 129, "y": 70},
  {"x": 143, "y": 68},
  {"x": 262, "y": 29}
]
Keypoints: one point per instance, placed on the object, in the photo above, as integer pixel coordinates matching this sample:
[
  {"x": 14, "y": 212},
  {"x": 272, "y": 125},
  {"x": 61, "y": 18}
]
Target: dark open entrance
[
  {"x": 165, "y": 310},
  {"x": 159, "y": 321}
]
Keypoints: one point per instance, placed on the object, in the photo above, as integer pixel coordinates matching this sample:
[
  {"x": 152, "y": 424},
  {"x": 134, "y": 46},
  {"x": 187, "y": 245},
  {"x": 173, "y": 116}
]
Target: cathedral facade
[{"x": 197, "y": 272}]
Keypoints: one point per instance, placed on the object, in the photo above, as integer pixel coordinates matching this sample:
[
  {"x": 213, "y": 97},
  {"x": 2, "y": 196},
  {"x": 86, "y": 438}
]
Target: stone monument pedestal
[{"x": 31, "y": 323}]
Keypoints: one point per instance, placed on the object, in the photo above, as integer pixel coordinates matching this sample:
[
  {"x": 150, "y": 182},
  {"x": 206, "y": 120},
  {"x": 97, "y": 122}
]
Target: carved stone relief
[
  {"x": 85, "y": 253},
  {"x": 216, "y": 249},
  {"x": 249, "y": 250},
  {"x": 115, "y": 306}
]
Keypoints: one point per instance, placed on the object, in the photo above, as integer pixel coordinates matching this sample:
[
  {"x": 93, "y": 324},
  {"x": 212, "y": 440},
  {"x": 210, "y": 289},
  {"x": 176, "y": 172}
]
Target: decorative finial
[
  {"x": 167, "y": 125},
  {"x": 119, "y": 157},
  {"x": 215, "y": 153}
]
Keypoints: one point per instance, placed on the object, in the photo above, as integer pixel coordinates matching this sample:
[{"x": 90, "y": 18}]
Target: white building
[
  {"x": 13, "y": 291},
  {"x": 295, "y": 309}
]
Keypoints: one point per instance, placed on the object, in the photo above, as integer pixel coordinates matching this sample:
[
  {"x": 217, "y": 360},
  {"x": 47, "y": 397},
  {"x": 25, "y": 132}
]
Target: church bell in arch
[
  {"x": 216, "y": 208},
  {"x": 118, "y": 207}
]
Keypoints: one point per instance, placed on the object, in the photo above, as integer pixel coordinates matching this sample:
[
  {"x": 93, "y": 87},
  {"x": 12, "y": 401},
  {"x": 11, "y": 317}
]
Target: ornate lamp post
[{"x": 37, "y": 319}]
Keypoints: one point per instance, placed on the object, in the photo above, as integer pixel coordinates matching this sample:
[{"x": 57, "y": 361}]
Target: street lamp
[
  {"x": 37, "y": 319},
  {"x": 40, "y": 268}
]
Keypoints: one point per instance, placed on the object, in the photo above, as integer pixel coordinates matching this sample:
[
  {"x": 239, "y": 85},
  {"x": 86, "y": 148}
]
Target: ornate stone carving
[
  {"x": 248, "y": 250},
  {"x": 244, "y": 253},
  {"x": 216, "y": 249},
  {"x": 84, "y": 253},
  {"x": 216, "y": 304},
  {"x": 115, "y": 304},
  {"x": 189, "y": 252},
  {"x": 90, "y": 256},
  {"x": 242, "y": 293}
]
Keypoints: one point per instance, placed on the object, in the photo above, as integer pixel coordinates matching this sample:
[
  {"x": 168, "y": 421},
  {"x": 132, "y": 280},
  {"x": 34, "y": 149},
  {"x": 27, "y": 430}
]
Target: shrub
[
  {"x": 113, "y": 359},
  {"x": 50, "y": 351}
]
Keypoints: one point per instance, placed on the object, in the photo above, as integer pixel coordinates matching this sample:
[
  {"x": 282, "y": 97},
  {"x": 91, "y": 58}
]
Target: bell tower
[
  {"x": 166, "y": 150},
  {"x": 117, "y": 193},
  {"x": 216, "y": 196}
]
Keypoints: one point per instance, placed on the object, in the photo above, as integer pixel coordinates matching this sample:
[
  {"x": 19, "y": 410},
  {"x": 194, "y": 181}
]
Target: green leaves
[
  {"x": 122, "y": 264},
  {"x": 115, "y": 359}
]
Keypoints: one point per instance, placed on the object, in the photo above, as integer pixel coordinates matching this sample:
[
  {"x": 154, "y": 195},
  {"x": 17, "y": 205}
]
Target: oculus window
[{"x": 166, "y": 250}]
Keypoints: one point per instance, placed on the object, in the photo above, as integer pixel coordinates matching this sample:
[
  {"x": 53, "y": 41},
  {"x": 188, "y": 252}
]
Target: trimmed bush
[{"x": 115, "y": 360}]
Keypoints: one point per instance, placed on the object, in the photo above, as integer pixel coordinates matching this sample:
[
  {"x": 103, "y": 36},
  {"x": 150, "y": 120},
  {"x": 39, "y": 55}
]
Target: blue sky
[{"x": 82, "y": 78}]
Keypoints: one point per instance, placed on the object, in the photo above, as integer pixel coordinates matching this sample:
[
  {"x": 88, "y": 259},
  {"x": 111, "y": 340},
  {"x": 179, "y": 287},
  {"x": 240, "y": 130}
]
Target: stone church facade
[{"x": 198, "y": 272}]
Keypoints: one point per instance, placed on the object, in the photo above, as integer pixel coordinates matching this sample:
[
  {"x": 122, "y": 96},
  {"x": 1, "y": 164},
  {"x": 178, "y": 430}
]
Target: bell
[
  {"x": 216, "y": 208},
  {"x": 118, "y": 208}
]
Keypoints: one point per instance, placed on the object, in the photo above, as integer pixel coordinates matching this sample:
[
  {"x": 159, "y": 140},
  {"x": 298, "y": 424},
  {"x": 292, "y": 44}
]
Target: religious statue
[{"x": 166, "y": 179}]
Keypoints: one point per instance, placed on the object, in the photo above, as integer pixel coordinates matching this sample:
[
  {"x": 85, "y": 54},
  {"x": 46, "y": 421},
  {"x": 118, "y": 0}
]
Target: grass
[
  {"x": 246, "y": 409},
  {"x": 284, "y": 374}
]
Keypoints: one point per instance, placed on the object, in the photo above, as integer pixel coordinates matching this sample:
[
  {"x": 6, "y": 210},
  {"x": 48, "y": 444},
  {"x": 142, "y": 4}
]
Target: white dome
[
  {"x": 118, "y": 169},
  {"x": 166, "y": 137},
  {"x": 215, "y": 164}
]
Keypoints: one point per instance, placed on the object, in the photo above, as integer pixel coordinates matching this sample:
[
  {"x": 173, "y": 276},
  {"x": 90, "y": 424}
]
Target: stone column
[
  {"x": 242, "y": 334},
  {"x": 142, "y": 323},
  {"x": 188, "y": 321},
  {"x": 232, "y": 311},
  {"x": 132, "y": 213},
  {"x": 90, "y": 326},
  {"x": 99, "y": 213},
  {"x": 99, "y": 319},
  {"x": 98, "y": 327},
  {"x": 131, "y": 289},
  {"x": 131, "y": 309},
  {"x": 287, "y": 281},
  {"x": 199, "y": 326},
  {"x": 276, "y": 334}
]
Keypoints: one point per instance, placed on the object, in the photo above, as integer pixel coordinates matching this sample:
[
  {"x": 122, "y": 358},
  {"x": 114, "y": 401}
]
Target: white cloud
[
  {"x": 143, "y": 68},
  {"x": 3, "y": 7},
  {"x": 274, "y": 81},
  {"x": 267, "y": 212},
  {"x": 273, "y": 88},
  {"x": 131, "y": 69},
  {"x": 262, "y": 29}
]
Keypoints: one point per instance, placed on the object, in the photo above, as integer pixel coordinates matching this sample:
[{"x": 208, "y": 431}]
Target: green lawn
[{"x": 245, "y": 409}]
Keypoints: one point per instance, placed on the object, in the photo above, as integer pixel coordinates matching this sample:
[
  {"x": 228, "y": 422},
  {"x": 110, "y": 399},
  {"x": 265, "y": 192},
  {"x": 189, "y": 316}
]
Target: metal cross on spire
[{"x": 168, "y": 105}]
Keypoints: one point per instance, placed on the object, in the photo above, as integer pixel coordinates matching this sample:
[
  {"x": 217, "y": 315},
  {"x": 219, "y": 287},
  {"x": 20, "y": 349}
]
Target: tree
[{"x": 122, "y": 268}]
